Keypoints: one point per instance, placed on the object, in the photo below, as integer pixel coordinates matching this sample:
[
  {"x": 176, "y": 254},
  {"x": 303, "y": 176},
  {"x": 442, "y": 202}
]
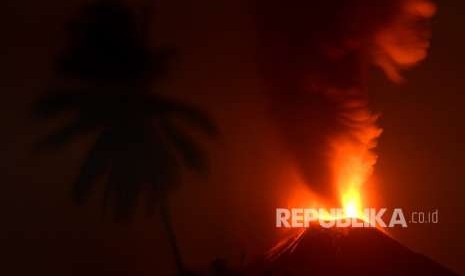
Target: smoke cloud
[{"x": 315, "y": 58}]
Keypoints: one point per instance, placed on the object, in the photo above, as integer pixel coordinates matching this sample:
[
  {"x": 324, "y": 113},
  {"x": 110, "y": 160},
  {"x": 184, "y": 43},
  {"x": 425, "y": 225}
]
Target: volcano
[{"x": 345, "y": 251}]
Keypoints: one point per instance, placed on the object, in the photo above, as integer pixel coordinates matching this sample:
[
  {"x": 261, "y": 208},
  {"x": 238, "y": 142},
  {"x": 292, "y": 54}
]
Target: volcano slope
[{"x": 344, "y": 251}]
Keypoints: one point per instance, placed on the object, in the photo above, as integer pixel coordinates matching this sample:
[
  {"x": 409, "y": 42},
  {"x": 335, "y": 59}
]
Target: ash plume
[{"x": 315, "y": 57}]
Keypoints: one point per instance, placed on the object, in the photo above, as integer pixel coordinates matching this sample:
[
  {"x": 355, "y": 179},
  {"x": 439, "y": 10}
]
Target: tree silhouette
[{"x": 143, "y": 138}]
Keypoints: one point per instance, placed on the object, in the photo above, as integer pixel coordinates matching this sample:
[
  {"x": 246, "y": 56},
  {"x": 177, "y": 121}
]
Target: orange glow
[
  {"x": 352, "y": 161},
  {"x": 405, "y": 41},
  {"x": 352, "y": 204}
]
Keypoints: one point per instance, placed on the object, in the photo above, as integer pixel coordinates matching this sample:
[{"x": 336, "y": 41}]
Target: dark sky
[{"x": 421, "y": 152}]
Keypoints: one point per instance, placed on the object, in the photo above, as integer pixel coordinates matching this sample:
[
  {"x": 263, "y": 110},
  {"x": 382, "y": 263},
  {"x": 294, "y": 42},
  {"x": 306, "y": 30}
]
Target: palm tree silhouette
[{"x": 143, "y": 138}]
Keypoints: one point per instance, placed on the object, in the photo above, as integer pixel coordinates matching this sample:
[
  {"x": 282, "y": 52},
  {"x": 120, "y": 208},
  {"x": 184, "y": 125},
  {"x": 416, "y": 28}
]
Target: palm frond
[
  {"x": 191, "y": 153},
  {"x": 161, "y": 164},
  {"x": 97, "y": 162},
  {"x": 66, "y": 134},
  {"x": 123, "y": 186},
  {"x": 56, "y": 102},
  {"x": 198, "y": 119},
  {"x": 186, "y": 112}
]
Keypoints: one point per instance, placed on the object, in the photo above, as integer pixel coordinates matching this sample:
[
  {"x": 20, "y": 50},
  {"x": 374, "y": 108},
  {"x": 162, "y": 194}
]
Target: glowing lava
[{"x": 352, "y": 204}]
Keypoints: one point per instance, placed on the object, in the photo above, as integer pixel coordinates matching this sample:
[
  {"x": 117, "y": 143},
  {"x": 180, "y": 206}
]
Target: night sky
[{"x": 230, "y": 213}]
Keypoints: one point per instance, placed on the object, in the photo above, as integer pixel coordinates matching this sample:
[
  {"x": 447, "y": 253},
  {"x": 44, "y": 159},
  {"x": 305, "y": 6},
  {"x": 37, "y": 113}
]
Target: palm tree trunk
[{"x": 166, "y": 220}]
